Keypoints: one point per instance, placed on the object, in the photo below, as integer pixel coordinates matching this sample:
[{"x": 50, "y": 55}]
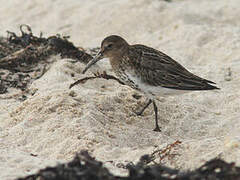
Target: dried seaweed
[
  {"x": 84, "y": 167},
  {"x": 166, "y": 152},
  {"x": 24, "y": 58}
]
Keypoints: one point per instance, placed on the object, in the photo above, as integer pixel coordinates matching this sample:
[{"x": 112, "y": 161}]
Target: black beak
[{"x": 98, "y": 57}]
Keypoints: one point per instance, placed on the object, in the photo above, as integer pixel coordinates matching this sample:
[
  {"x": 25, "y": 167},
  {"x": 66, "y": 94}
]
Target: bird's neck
[{"x": 117, "y": 60}]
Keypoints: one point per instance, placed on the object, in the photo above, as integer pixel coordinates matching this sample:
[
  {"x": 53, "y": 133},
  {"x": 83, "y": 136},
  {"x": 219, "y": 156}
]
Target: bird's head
[{"x": 112, "y": 46}]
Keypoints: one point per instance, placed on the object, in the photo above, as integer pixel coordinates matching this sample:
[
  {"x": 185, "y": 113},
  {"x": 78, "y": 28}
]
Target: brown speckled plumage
[{"x": 147, "y": 70}]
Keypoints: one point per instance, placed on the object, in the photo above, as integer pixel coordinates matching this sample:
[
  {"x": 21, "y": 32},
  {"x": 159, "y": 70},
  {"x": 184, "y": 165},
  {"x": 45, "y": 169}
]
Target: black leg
[
  {"x": 145, "y": 107},
  {"x": 157, "y": 128}
]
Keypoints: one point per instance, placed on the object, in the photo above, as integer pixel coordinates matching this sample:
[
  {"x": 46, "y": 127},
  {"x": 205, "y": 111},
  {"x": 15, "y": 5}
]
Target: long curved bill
[{"x": 98, "y": 57}]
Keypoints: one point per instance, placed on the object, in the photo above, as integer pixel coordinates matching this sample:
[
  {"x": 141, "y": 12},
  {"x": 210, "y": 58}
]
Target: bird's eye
[{"x": 109, "y": 45}]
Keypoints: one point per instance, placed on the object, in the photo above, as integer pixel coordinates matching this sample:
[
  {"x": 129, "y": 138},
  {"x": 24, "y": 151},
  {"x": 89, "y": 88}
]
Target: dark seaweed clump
[
  {"x": 25, "y": 58},
  {"x": 85, "y": 167}
]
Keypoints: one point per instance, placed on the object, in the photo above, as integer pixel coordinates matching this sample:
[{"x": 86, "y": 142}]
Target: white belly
[{"x": 152, "y": 91}]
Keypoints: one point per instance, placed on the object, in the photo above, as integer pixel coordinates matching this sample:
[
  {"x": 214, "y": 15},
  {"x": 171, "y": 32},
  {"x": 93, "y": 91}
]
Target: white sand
[{"x": 56, "y": 122}]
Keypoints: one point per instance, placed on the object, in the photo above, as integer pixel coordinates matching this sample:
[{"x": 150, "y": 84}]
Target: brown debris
[{"x": 166, "y": 152}]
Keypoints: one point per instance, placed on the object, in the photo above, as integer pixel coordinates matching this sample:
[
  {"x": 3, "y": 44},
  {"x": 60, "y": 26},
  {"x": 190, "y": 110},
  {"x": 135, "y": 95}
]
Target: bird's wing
[{"x": 158, "y": 69}]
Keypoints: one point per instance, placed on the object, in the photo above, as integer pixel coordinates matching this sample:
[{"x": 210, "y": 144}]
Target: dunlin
[{"x": 149, "y": 71}]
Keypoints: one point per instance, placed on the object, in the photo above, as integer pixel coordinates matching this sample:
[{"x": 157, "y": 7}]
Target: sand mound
[{"x": 56, "y": 122}]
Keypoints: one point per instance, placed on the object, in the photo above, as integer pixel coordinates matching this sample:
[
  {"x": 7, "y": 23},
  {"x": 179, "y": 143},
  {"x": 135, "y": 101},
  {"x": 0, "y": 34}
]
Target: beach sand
[{"x": 55, "y": 123}]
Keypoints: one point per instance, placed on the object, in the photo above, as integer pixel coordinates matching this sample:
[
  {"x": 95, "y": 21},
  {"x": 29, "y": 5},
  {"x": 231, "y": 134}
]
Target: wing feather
[{"x": 158, "y": 69}]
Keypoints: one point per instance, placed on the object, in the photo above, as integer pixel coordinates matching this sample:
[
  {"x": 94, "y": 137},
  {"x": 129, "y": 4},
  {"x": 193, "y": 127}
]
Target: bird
[{"x": 148, "y": 71}]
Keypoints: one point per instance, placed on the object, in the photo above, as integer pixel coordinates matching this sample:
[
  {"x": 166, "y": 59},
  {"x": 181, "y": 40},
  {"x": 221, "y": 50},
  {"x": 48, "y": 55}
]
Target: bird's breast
[{"x": 124, "y": 76}]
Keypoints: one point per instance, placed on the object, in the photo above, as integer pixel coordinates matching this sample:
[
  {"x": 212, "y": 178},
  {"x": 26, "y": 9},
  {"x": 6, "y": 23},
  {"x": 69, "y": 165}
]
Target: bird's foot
[{"x": 157, "y": 129}]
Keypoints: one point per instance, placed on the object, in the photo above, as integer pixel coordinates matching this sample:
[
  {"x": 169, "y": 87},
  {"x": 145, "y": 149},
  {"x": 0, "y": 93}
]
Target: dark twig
[{"x": 104, "y": 76}]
